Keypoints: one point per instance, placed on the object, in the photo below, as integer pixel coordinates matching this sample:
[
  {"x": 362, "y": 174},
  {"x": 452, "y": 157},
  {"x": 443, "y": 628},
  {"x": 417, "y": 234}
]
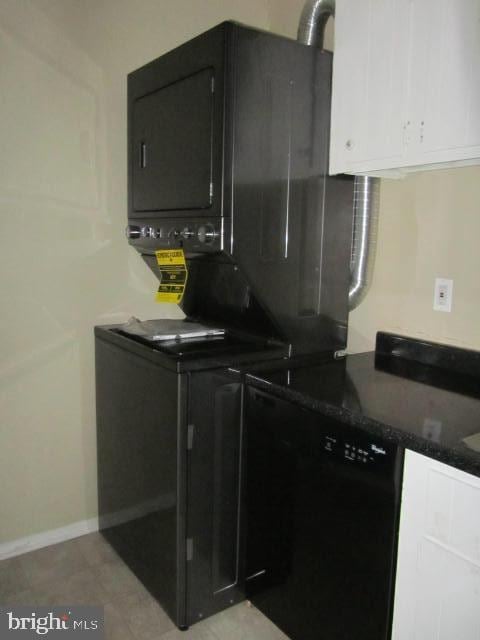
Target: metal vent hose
[
  {"x": 314, "y": 18},
  {"x": 366, "y": 196},
  {"x": 311, "y": 31}
]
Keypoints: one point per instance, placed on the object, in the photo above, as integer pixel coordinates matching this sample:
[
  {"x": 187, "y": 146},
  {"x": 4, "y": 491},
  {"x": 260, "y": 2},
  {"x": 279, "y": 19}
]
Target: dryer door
[{"x": 172, "y": 146}]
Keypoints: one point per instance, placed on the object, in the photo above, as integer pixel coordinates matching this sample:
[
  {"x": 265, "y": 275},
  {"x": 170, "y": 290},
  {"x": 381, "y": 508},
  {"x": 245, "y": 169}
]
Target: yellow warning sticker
[{"x": 173, "y": 275}]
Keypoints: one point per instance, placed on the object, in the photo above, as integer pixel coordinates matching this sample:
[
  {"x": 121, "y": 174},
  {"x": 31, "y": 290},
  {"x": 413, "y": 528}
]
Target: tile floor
[{"x": 87, "y": 571}]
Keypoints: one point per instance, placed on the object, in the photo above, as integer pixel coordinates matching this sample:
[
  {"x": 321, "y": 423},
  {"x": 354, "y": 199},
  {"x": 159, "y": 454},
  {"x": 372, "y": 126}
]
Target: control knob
[
  {"x": 188, "y": 233},
  {"x": 149, "y": 232},
  {"x": 206, "y": 234},
  {"x": 132, "y": 232}
]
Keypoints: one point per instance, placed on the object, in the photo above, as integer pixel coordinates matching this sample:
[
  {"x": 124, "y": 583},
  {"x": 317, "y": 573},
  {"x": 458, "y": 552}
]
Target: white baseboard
[
  {"x": 76, "y": 529},
  {"x": 47, "y": 538},
  {"x": 160, "y": 503}
]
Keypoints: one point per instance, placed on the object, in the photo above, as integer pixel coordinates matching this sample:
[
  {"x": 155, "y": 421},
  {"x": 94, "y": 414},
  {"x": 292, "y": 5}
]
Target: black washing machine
[{"x": 169, "y": 457}]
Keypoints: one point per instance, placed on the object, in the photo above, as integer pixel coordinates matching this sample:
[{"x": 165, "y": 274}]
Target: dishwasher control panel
[
  {"x": 359, "y": 450},
  {"x": 320, "y": 436}
]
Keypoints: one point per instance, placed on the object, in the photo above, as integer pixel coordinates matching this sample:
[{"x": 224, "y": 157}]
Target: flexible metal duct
[
  {"x": 366, "y": 195},
  {"x": 315, "y": 14},
  {"x": 311, "y": 31}
]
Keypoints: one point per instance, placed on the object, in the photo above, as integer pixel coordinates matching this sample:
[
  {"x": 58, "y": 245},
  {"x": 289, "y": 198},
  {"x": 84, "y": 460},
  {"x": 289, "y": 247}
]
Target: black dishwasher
[{"x": 322, "y": 504}]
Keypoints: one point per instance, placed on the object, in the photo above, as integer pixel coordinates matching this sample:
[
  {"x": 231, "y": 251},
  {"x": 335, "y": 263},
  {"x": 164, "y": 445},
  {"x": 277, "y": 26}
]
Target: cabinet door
[
  {"x": 370, "y": 85},
  {"x": 213, "y": 502},
  {"x": 445, "y": 81},
  {"x": 437, "y": 593},
  {"x": 406, "y": 86}
]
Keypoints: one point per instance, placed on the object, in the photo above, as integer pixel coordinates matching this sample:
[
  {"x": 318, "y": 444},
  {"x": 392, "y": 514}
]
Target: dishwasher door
[{"x": 322, "y": 503}]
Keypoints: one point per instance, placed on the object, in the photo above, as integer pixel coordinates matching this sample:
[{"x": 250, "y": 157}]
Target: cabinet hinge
[
  {"x": 189, "y": 549},
  {"x": 190, "y": 430},
  {"x": 406, "y": 133},
  {"x": 212, "y": 85},
  {"x": 211, "y": 191}
]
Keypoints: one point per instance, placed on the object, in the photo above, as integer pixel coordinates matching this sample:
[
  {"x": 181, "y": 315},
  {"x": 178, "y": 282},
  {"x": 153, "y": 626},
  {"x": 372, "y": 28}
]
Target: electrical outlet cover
[{"x": 442, "y": 298}]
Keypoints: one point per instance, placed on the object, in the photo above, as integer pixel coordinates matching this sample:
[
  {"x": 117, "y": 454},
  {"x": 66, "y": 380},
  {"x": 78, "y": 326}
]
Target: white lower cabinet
[{"x": 437, "y": 594}]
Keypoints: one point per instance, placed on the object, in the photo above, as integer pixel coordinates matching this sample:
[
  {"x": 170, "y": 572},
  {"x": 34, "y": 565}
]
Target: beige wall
[
  {"x": 429, "y": 227},
  {"x": 65, "y": 265}
]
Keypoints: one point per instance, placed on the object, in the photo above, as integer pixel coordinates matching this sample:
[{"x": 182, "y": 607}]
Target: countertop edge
[{"x": 467, "y": 461}]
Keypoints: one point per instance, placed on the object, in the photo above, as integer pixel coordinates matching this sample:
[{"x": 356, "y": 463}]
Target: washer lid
[{"x": 160, "y": 330}]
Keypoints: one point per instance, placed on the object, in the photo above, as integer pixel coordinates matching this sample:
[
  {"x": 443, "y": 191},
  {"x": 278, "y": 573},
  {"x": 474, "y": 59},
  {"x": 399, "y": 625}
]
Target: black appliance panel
[
  {"x": 169, "y": 470},
  {"x": 214, "y": 579},
  {"x": 173, "y": 136},
  {"x": 140, "y": 482},
  {"x": 176, "y": 106},
  {"x": 291, "y": 221},
  {"x": 218, "y": 292},
  {"x": 228, "y": 344},
  {"x": 280, "y": 221},
  {"x": 322, "y": 511}
]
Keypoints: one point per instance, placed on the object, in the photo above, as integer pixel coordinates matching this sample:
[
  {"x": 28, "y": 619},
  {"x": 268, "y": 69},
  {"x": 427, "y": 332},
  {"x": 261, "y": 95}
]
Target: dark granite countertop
[{"x": 423, "y": 396}]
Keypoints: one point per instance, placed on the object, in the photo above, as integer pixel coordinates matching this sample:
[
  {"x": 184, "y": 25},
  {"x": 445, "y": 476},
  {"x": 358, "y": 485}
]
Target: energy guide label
[{"x": 173, "y": 275}]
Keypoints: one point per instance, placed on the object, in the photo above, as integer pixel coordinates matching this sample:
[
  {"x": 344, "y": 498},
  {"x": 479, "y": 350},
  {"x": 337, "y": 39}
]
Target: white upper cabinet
[{"x": 406, "y": 86}]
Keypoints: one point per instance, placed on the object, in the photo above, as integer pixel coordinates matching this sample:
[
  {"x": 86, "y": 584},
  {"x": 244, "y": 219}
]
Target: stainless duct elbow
[
  {"x": 315, "y": 14},
  {"x": 366, "y": 196},
  {"x": 311, "y": 31}
]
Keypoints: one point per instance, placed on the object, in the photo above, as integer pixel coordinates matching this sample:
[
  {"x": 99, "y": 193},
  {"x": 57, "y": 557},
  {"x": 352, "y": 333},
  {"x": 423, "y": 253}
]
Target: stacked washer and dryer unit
[{"x": 228, "y": 140}]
